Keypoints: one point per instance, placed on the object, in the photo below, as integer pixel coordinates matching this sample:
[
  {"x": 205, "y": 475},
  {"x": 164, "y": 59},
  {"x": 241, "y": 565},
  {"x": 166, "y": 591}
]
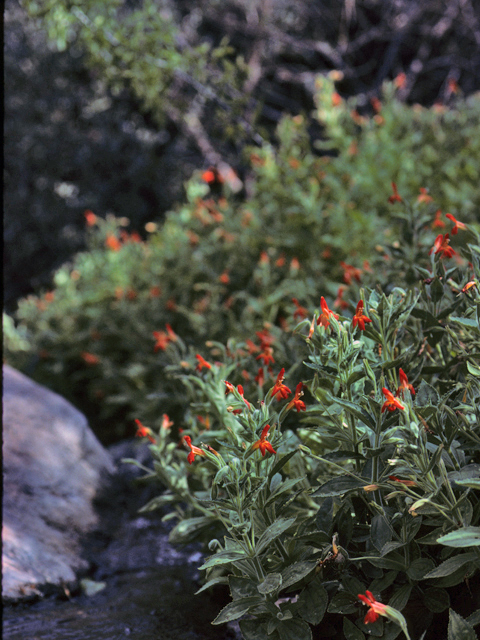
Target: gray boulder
[{"x": 53, "y": 466}]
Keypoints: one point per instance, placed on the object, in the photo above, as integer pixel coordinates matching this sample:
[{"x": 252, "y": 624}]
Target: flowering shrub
[
  {"x": 359, "y": 488},
  {"x": 221, "y": 266}
]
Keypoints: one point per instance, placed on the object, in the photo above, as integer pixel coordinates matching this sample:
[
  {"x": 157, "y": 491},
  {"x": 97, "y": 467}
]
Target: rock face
[{"x": 53, "y": 466}]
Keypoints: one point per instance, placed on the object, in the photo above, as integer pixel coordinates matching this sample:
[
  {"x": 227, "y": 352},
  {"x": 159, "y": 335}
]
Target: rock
[{"x": 53, "y": 465}]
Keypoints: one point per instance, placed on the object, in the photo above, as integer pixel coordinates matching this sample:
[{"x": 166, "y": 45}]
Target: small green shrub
[
  {"x": 221, "y": 266},
  {"x": 365, "y": 488}
]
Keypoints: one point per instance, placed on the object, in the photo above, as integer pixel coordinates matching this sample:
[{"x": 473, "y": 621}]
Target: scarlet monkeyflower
[
  {"x": 339, "y": 302},
  {"x": 468, "y": 286},
  {"x": 155, "y": 292},
  {"x": 376, "y": 608},
  {"x": 90, "y": 358},
  {"x": 350, "y": 272},
  {"x": 266, "y": 356},
  {"x": 241, "y": 392},
  {"x": 391, "y": 403},
  {"x": 113, "y": 243},
  {"x": 407, "y": 483},
  {"x": 202, "y": 363},
  {"x": 194, "y": 451},
  {"x": 224, "y": 278},
  {"x": 252, "y": 347},
  {"x": 90, "y": 218},
  {"x": 296, "y": 402},
  {"x": 359, "y": 318},
  {"x": 263, "y": 444},
  {"x": 164, "y": 338},
  {"x": 457, "y": 224},
  {"x": 424, "y": 196},
  {"x": 400, "y": 81},
  {"x": 404, "y": 385},
  {"x": 166, "y": 422},
  {"x": 260, "y": 377},
  {"x": 144, "y": 432},
  {"x": 437, "y": 223},
  {"x": 324, "y": 318},
  {"x": 395, "y": 197},
  {"x": 441, "y": 246},
  {"x": 280, "y": 390},
  {"x": 300, "y": 312}
]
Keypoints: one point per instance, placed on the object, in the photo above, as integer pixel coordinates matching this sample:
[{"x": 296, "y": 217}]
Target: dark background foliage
[{"x": 71, "y": 144}]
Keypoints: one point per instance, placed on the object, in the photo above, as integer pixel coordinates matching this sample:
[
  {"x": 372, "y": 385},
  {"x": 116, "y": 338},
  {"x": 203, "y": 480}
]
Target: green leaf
[
  {"x": 223, "y": 557},
  {"x": 272, "y": 582},
  {"x": 419, "y": 567},
  {"x": 466, "y": 322},
  {"x": 426, "y": 395},
  {"x": 459, "y": 628},
  {"x": 242, "y": 587},
  {"x": 350, "y": 631},
  {"x": 400, "y": 597},
  {"x": 473, "y": 483},
  {"x": 344, "y": 603},
  {"x": 237, "y": 609},
  {"x": 338, "y": 486},
  {"x": 474, "y": 618},
  {"x": 294, "y": 630},
  {"x": 279, "y": 464},
  {"x": 213, "y": 581},
  {"x": 296, "y": 572},
  {"x": 436, "y": 600},
  {"x": 272, "y": 532},
  {"x": 450, "y": 565},
  {"x": 357, "y": 411},
  {"x": 253, "y": 630},
  {"x": 466, "y": 537},
  {"x": 312, "y": 602},
  {"x": 186, "y": 530},
  {"x": 380, "y": 532}
]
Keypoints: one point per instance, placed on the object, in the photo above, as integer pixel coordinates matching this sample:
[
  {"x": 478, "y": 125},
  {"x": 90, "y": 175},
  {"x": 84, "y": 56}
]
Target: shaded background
[{"x": 72, "y": 145}]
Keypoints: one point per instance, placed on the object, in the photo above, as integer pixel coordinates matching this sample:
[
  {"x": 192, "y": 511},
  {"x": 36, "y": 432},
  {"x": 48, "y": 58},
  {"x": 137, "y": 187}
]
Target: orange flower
[
  {"x": 395, "y": 197},
  {"x": 376, "y": 104},
  {"x": 202, "y": 363},
  {"x": 113, "y": 243},
  {"x": 260, "y": 377},
  {"x": 468, "y": 286},
  {"x": 376, "y": 608},
  {"x": 164, "y": 338},
  {"x": 441, "y": 246},
  {"x": 90, "y": 218},
  {"x": 241, "y": 392},
  {"x": 166, "y": 422},
  {"x": 224, "y": 278},
  {"x": 336, "y": 99},
  {"x": 294, "y": 264},
  {"x": 457, "y": 224},
  {"x": 266, "y": 356},
  {"x": 400, "y": 81},
  {"x": 300, "y": 312},
  {"x": 324, "y": 318},
  {"x": 90, "y": 358},
  {"x": 404, "y": 385},
  {"x": 252, "y": 347},
  {"x": 280, "y": 390},
  {"x": 391, "y": 403},
  {"x": 211, "y": 175},
  {"x": 264, "y": 259},
  {"x": 437, "y": 223},
  {"x": 359, "y": 318},
  {"x": 263, "y": 444},
  {"x": 296, "y": 402},
  {"x": 155, "y": 292},
  {"x": 194, "y": 451},
  {"x": 349, "y": 272},
  {"x": 144, "y": 432},
  {"x": 424, "y": 197},
  {"x": 407, "y": 483}
]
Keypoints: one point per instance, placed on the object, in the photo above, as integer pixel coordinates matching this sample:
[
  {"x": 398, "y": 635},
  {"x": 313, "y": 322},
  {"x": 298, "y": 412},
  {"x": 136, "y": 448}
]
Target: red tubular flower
[
  {"x": 296, "y": 402},
  {"x": 468, "y": 286},
  {"x": 376, "y": 608},
  {"x": 407, "y": 483},
  {"x": 280, "y": 390},
  {"x": 457, "y": 224},
  {"x": 437, "y": 223},
  {"x": 263, "y": 444},
  {"x": 90, "y": 218},
  {"x": 229, "y": 385},
  {"x": 194, "y": 451},
  {"x": 350, "y": 272},
  {"x": 359, "y": 318},
  {"x": 144, "y": 432},
  {"x": 395, "y": 197},
  {"x": 339, "y": 302},
  {"x": 324, "y": 318},
  {"x": 300, "y": 312},
  {"x": 424, "y": 196},
  {"x": 391, "y": 403},
  {"x": 241, "y": 392},
  {"x": 113, "y": 243},
  {"x": 441, "y": 246},
  {"x": 166, "y": 422},
  {"x": 266, "y": 356},
  {"x": 90, "y": 358},
  {"x": 404, "y": 385},
  {"x": 163, "y": 339},
  {"x": 260, "y": 377},
  {"x": 202, "y": 363}
]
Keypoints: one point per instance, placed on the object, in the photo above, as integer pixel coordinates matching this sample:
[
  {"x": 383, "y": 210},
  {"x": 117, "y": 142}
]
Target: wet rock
[{"x": 53, "y": 467}]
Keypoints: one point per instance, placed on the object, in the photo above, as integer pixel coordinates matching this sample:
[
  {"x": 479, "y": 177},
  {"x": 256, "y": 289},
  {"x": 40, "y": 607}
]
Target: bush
[
  {"x": 222, "y": 266},
  {"x": 365, "y": 489}
]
